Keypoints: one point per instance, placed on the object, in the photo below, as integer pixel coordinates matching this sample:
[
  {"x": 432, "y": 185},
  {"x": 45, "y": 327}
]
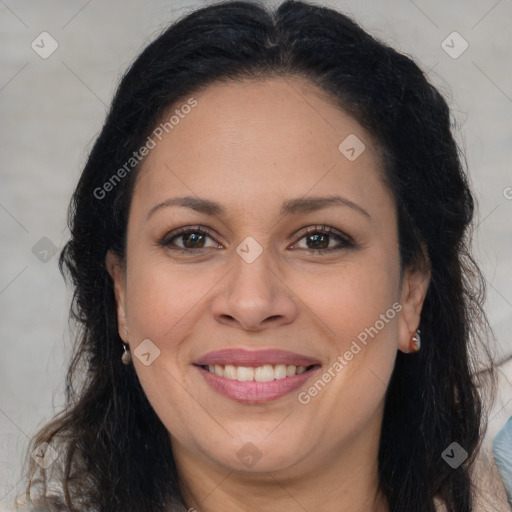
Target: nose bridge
[
  {"x": 254, "y": 291},
  {"x": 252, "y": 277}
]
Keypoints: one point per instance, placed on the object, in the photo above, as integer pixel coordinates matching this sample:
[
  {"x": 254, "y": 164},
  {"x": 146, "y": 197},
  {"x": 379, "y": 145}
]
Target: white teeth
[
  {"x": 265, "y": 373},
  {"x": 280, "y": 371},
  {"x": 230, "y": 372},
  {"x": 290, "y": 370},
  {"x": 243, "y": 373}
]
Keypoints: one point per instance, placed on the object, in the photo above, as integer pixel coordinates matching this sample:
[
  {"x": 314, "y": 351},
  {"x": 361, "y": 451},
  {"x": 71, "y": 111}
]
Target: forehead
[
  {"x": 253, "y": 111},
  {"x": 251, "y": 137}
]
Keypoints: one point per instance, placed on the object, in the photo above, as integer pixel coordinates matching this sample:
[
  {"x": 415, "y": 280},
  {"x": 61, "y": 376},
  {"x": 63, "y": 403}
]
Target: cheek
[
  {"x": 357, "y": 308},
  {"x": 161, "y": 299},
  {"x": 349, "y": 299},
  {"x": 163, "y": 304}
]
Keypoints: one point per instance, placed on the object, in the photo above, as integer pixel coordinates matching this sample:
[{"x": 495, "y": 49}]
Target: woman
[{"x": 278, "y": 307}]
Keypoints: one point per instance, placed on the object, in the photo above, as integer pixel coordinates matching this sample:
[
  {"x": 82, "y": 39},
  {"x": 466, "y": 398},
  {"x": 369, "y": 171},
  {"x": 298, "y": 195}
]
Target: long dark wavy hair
[{"x": 114, "y": 452}]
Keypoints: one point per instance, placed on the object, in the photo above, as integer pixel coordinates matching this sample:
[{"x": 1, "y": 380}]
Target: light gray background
[{"x": 52, "y": 109}]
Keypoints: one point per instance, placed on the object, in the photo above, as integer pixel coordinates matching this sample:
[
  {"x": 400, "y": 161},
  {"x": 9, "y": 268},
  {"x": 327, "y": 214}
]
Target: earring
[
  {"x": 126, "y": 358},
  {"x": 415, "y": 341}
]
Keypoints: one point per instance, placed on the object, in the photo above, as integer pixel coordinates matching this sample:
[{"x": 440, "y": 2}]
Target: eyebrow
[{"x": 289, "y": 207}]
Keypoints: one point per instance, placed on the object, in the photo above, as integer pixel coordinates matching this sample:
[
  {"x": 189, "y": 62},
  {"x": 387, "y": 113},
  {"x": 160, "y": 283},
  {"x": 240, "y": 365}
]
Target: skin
[{"x": 249, "y": 146}]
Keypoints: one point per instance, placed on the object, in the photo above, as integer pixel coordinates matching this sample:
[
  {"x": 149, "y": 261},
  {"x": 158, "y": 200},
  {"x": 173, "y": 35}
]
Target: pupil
[
  {"x": 317, "y": 238},
  {"x": 194, "y": 237}
]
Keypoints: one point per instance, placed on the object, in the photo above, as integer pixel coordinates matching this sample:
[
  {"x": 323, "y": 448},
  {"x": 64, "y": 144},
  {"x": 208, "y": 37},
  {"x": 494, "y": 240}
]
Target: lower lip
[{"x": 256, "y": 392}]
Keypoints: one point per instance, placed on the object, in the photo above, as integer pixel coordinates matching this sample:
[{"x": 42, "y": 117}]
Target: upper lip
[{"x": 254, "y": 358}]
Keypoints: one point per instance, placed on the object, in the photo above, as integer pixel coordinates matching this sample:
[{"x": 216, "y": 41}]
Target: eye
[
  {"x": 318, "y": 240},
  {"x": 192, "y": 238}
]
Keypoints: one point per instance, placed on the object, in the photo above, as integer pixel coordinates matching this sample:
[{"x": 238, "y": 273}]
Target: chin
[{"x": 258, "y": 456}]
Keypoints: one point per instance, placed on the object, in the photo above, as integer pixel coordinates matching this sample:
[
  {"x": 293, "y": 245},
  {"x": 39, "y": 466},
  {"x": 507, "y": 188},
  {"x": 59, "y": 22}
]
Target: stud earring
[
  {"x": 415, "y": 341},
  {"x": 126, "y": 358}
]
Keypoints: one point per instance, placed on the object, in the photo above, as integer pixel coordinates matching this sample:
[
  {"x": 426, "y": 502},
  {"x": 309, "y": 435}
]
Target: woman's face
[{"x": 289, "y": 262}]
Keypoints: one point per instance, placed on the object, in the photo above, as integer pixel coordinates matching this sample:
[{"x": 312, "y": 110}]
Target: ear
[
  {"x": 117, "y": 272},
  {"x": 414, "y": 290}
]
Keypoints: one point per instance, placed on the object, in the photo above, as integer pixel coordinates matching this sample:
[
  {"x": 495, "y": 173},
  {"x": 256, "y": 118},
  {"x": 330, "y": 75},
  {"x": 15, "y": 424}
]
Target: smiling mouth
[{"x": 264, "y": 373}]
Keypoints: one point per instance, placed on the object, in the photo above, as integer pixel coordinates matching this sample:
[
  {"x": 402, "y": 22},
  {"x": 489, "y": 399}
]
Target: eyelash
[{"x": 344, "y": 241}]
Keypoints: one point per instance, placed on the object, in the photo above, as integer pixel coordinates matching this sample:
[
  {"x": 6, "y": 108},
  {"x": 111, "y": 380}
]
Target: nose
[{"x": 254, "y": 296}]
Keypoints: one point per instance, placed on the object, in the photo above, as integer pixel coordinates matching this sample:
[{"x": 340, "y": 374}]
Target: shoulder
[
  {"x": 489, "y": 491},
  {"x": 45, "y": 504}
]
